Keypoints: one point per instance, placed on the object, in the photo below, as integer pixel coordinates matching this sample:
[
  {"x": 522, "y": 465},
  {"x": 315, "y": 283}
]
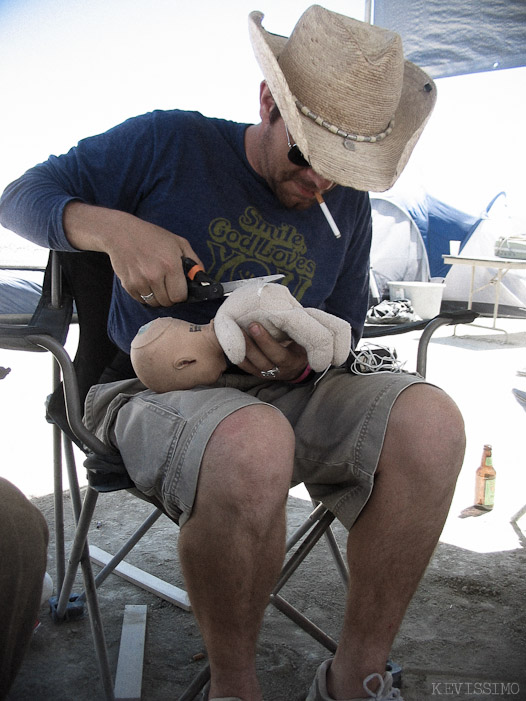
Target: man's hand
[
  {"x": 149, "y": 259},
  {"x": 146, "y": 258},
  {"x": 265, "y": 353}
]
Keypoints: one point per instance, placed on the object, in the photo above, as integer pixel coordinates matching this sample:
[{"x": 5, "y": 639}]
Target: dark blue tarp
[{"x": 461, "y": 37}]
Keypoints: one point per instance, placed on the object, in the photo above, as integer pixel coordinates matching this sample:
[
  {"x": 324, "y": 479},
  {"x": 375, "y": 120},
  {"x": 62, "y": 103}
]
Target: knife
[{"x": 202, "y": 287}]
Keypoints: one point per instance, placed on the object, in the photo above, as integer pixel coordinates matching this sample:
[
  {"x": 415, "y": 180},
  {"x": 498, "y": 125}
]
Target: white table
[{"x": 502, "y": 265}]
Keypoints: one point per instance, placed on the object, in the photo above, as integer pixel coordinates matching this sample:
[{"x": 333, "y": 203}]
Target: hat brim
[{"x": 368, "y": 166}]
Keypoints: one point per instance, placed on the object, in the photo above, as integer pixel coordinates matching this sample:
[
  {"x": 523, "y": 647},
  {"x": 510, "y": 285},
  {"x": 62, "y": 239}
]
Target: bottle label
[
  {"x": 489, "y": 461},
  {"x": 489, "y": 491}
]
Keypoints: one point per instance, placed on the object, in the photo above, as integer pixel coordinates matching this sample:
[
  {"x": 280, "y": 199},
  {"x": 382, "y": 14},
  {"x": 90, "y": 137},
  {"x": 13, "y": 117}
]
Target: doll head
[{"x": 171, "y": 354}]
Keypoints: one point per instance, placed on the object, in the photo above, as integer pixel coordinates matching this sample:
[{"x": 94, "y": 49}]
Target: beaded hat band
[{"x": 340, "y": 132}]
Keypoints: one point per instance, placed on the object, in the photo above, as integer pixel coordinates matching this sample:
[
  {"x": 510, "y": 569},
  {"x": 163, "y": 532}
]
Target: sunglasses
[{"x": 294, "y": 154}]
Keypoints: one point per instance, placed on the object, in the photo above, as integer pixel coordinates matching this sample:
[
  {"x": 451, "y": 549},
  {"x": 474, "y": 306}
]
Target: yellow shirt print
[{"x": 255, "y": 247}]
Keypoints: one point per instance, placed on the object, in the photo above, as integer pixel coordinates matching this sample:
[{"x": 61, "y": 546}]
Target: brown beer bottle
[{"x": 485, "y": 481}]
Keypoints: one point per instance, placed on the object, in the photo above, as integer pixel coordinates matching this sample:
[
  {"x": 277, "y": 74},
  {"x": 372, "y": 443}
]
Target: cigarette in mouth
[{"x": 328, "y": 215}]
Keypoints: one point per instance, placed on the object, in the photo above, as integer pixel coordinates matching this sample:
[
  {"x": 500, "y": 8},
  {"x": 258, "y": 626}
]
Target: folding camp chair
[{"x": 87, "y": 279}]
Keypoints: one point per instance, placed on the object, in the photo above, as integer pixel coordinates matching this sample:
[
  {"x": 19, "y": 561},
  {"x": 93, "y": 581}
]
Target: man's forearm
[
  {"x": 145, "y": 257},
  {"x": 91, "y": 228}
]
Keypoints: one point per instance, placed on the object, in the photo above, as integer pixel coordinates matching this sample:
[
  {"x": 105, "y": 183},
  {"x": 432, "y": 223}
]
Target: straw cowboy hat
[{"x": 351, "y": 102}]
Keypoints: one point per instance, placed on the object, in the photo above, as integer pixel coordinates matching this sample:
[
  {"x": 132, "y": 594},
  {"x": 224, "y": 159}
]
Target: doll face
[{"x": 171, "y": 354}]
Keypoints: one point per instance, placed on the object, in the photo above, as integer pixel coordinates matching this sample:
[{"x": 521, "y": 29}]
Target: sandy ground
[{"x": 464, "y": 635}]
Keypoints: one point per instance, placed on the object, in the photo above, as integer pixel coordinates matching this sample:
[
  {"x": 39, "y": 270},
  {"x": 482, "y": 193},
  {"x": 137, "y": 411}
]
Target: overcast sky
[{"x": 71, "y": 68}]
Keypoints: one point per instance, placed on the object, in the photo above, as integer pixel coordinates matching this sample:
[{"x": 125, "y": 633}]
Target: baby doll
[{"x": 169, "y": 354}]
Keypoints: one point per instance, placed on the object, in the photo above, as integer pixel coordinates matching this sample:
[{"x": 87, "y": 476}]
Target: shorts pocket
[{"x": 141, "y": 423}]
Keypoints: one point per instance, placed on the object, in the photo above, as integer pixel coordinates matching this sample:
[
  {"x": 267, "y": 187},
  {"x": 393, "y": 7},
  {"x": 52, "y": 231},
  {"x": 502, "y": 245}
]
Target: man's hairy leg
[
  {"x": 394, "y": 538},
  {"x": 232, "y": 547}
]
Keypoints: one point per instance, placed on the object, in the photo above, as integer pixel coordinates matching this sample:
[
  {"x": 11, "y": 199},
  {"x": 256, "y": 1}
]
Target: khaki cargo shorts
[{"x": 339, "y": 423}]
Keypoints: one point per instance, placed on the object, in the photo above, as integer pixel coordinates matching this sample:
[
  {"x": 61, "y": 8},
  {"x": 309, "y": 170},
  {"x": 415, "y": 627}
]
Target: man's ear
[{"x": 266, "y": 102}]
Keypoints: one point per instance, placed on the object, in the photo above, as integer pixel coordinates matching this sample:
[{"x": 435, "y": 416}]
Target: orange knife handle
[{"x": 201, "y": 286}]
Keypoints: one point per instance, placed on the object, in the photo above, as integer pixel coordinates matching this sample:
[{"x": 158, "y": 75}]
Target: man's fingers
[
  {"x": 173, "y": 287},
  {"x": 264, "y": 349},
  {"x": 265, "y": 354},
  {"x": 154, "y": 264},
  {"x": 176, "y": 288}
]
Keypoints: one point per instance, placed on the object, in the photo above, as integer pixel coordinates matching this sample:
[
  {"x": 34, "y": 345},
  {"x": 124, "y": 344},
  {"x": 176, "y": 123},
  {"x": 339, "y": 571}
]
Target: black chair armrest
[{"x": 461, "y": 316}]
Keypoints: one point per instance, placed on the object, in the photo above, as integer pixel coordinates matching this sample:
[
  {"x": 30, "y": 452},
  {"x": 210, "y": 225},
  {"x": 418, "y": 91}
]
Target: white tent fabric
[
  {"x": 397, "y": 250},
  {"x": 462, "y": 37}
]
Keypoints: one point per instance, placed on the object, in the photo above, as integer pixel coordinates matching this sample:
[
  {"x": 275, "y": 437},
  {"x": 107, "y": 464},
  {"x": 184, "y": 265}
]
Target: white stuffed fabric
[{"x": 326, "y": 338}]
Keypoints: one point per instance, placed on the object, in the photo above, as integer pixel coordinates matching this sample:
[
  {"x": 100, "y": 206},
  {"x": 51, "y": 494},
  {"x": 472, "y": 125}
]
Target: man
[
  {"x": 340, "y": 113},
  {"x": 23, "y": 557}
]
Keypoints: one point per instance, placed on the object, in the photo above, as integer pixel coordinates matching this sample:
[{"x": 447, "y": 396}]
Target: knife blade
[
  {"x": 202, "y": 287},
  {"x": 229, "y": 287}
]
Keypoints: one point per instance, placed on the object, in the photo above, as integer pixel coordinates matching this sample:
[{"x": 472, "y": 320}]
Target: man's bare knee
[
  {"x": 249, "y": 457},
  {"x": 426, "y": 431}
]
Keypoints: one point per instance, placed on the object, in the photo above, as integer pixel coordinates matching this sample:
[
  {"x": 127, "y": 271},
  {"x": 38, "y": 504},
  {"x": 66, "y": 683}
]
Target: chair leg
[
  {"x": 312, "y": 518},
  {"x": 97, "y": 628},
  {"x": 83, "y": 516},
  {"x": 196, "y": 685},
  {"x": 77, "y": 505},
  {"x": 74, "y": 489},
  {"x": 79, "y": 543},
  {"x": 80, "y": 554},
  {"x": 339, "y": 561},
  {"x": 303, "y": 622},
  {"x": 317, "y": 525},
  {"x": 58, "y": 509},
  {"x": 68, "y": 605},
  {"x": 126, "y": 548},
  {"x": 319, "y": 520}
]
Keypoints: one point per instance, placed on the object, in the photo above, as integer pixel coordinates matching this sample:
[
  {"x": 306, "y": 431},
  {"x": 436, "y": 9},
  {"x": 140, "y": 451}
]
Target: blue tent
[
  {"x": 439, "y": 223},
  {"x": 411, "y": 234}
]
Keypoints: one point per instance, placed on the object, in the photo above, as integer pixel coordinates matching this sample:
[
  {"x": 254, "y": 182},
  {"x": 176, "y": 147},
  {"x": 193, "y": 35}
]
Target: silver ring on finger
[
  {"x": 147, "y": 298},
  {"x": 270, "y": 373}
]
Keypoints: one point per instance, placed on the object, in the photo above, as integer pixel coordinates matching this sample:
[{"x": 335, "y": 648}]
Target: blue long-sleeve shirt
[{"x": 190, "y": 175}]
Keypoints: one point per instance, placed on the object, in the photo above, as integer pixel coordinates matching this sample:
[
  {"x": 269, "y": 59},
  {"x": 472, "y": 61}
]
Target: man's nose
[{"x": 319, "y": 181}]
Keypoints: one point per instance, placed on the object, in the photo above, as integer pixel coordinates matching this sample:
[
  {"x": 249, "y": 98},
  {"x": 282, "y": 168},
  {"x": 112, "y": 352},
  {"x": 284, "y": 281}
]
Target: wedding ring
[
  {"x": 147, "y": 298},
  {"x": 270, "y": 373}
]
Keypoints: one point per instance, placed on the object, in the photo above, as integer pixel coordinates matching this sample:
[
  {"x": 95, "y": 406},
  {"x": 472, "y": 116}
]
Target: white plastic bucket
[{"x": 425, "y": 297}]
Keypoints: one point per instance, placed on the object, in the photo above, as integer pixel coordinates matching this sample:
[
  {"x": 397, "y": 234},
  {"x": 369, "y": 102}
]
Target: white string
[{"x": 368, "y": 359}]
